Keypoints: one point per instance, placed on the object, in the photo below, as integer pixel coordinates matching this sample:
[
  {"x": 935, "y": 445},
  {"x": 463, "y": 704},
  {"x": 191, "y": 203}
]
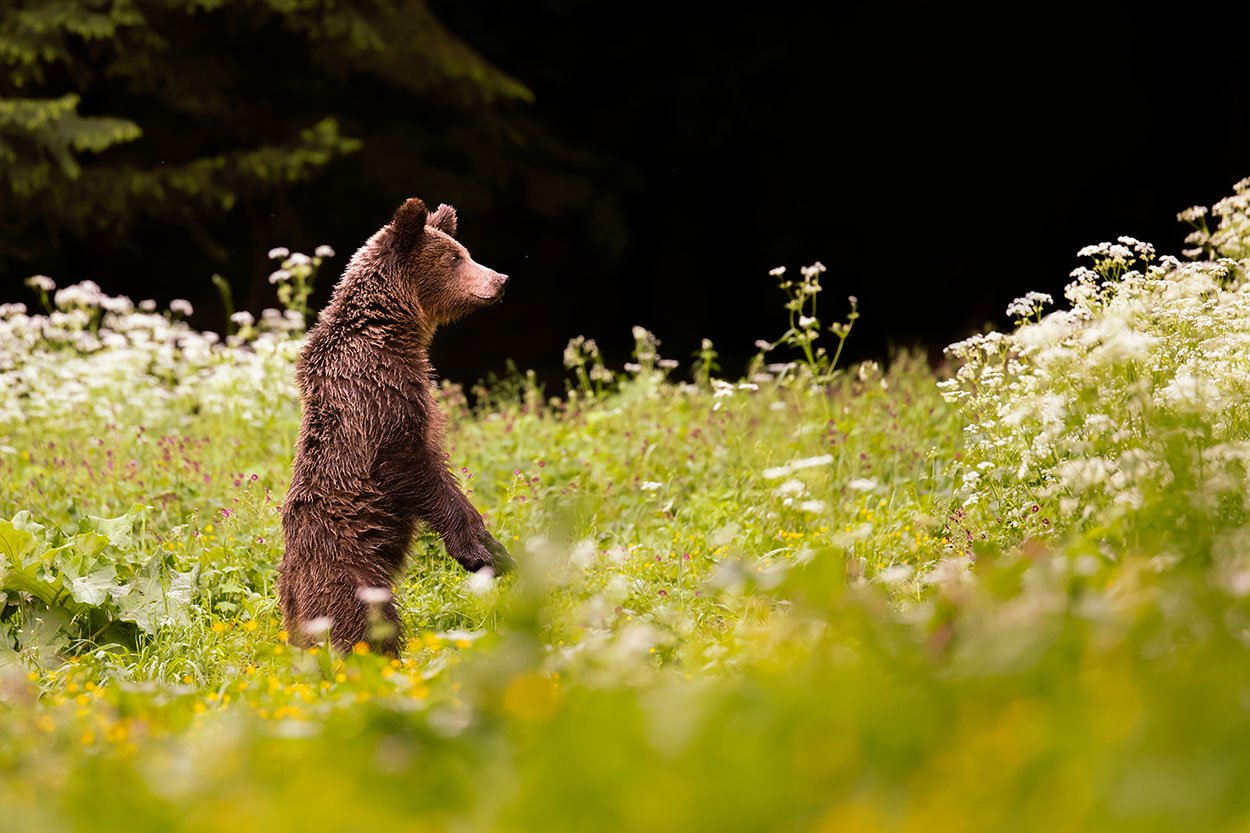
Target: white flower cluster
[
  {"x": 1231, "y": 236},
  {"x": 1086, "y": 414},
  {"x": 98, "y": 360},
  {"x": 1029, "y": 306}
]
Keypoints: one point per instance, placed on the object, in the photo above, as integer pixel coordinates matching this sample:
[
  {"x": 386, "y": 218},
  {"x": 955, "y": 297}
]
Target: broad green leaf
[
  {"x": 45, "y": 634},
  {"x": 8, "y": 656},
  {"x": 89, "y": 544},
  {"x": 24, "y": 580},
  {"x": 93, "y": 589},
  {"x": 155, "y": 600},
  {"x": 15, "y": 542},
  {"x": 23, "y": 520},
  {"x": 119, "y": 531}
]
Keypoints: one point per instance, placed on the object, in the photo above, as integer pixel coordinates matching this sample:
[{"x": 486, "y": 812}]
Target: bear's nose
[{"x": 501, "y": 280}]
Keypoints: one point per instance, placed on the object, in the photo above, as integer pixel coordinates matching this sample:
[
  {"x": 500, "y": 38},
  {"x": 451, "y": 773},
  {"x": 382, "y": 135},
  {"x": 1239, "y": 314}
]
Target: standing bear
[{"x": 370, "y": 464}]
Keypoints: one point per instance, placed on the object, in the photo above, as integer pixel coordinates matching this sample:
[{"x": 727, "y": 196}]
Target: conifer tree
[{"x": 117, "y": 111}]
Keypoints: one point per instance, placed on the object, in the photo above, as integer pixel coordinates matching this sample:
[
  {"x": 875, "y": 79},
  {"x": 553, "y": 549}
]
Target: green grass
[{"x": 816, "y": 599}]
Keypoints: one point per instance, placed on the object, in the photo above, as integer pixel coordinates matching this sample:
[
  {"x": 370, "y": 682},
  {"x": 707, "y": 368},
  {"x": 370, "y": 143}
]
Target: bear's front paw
[
  {"x": 475, "y": 551},
  {"x": 501, "y": 559}
]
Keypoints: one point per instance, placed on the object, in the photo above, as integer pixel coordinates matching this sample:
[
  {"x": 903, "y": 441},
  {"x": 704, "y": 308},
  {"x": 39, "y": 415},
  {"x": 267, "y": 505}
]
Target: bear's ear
[
  {"x": 444, "y": 219},
  {"x": 408, "y": 224}
]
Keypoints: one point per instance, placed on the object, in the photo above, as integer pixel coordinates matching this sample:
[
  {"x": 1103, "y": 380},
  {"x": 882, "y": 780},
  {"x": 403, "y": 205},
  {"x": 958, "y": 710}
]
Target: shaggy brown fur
[{"x": 370, "y": 464}]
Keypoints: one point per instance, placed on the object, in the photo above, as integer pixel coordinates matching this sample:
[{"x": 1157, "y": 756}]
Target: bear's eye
[{"x": 455, "y": 258}]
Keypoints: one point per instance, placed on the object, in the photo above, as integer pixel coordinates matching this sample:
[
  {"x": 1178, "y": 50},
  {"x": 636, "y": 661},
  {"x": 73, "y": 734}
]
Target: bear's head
[{"x": 446, "y": 281}]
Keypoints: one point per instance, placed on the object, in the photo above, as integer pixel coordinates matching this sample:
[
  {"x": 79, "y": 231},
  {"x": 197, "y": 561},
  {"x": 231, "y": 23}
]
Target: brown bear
[{"x": 369, "y": 463}]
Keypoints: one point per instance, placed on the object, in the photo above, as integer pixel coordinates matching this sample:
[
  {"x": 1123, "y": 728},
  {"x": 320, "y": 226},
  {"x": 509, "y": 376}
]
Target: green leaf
[
  {"x": 8, "y": 656},
  {"x": 94, "y": 589},
  {"x": 119, "y": 531},
  {"x": 158, "y": 599},
  {"x": 16, "y": 541},
  {"x": 23, "y": 520},
  {"x": 46, "y": 634},
  {"x": 87, "y": 546},
  {"x": 24, "y": 580}
]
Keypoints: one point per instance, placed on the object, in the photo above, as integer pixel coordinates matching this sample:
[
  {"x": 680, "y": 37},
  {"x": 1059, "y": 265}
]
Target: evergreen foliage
[{"x": 115, "y": 111}]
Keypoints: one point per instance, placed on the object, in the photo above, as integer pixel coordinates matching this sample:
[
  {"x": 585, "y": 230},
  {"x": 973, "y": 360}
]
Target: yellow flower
[
  {"x": 219, "y": 627},
  {"x": 532, "y": 697},
  {"x": 360, "y": 648},
  {"x": 249, "y": 625}
]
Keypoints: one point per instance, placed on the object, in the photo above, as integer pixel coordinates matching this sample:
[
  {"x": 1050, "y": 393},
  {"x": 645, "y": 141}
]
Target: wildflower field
[{"x": 1010, "y": 594}]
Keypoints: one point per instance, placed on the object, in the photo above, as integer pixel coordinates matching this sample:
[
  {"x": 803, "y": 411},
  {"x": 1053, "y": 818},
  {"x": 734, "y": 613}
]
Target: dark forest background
[{"x": 625, "y": 165}]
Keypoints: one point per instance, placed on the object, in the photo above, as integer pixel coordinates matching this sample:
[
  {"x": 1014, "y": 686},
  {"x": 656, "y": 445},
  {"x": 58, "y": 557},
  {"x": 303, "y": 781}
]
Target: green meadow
[{"x": 1009, "y": 593}]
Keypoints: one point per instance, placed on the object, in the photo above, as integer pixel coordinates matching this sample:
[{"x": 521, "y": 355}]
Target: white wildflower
[
  {"x": 895, "y": 575},
  {"x": 317, "y": 629},
  {"x": 181, "y": 306},
  {"x": 791, "y": 488},
  {"x": 324, "y": 251},
  {"x": 810, "y": 272},
  {"x": 85, "y": 293},
  {"x": 373, "y": 595},
  {"x": 279, "y": 253},
  {"x": 1029, "y": 304},
  {"x": 806, "y": 463},
  {"x": 41, "y": 283},
  {"x": 481, "y": 582}
]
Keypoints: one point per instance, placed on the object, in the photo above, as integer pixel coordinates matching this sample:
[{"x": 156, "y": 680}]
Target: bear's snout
[{"x": 493, "y": 284}]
